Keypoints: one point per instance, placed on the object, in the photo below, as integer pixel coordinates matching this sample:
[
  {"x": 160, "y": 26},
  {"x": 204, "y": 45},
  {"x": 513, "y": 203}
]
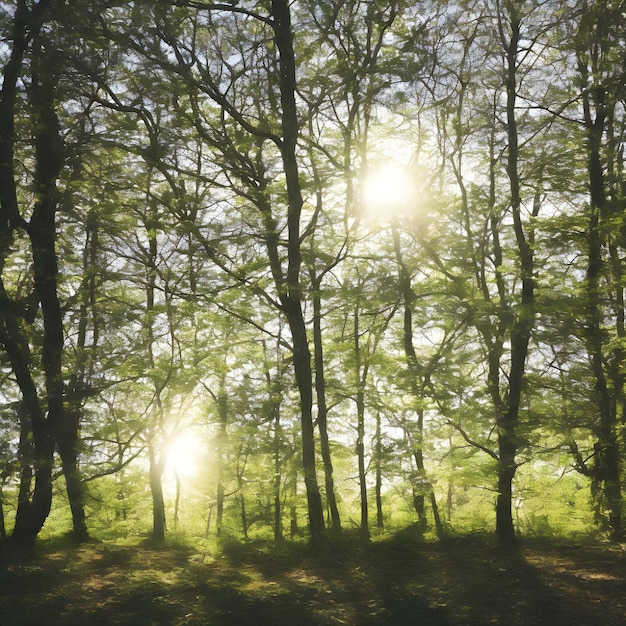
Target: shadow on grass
[{"x": 396, "y": 581}]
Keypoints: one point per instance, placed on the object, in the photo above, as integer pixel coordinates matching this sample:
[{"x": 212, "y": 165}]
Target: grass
[{"x": 397, "y": 581}]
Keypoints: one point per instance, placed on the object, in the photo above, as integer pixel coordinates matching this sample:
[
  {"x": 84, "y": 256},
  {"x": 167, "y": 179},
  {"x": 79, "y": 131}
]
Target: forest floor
[{"x": 456, "y": 582}]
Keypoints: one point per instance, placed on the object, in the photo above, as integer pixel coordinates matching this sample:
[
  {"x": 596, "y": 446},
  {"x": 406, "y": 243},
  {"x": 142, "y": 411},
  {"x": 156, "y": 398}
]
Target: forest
[{"x": 287, "y": 271}]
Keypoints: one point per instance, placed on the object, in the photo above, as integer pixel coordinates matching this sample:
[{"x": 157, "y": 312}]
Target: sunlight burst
[
  {"x": 182, "y": 456},
  {"x": 389, "y": 190}
]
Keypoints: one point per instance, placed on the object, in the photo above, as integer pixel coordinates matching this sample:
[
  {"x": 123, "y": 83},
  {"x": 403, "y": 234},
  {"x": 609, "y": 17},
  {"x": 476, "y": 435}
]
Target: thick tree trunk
[
  {"x": 156, "y": 488},
  {"x": 67, "y": 447},
  {"x": 50, "y": 157},
  {"x": 32, "y": 509},
  {"x": 302, "y": 366},
  {"x": 505, "y": 528}
]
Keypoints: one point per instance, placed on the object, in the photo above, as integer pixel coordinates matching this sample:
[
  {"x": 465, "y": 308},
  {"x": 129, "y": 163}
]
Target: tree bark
[
  {"x": 32, "y": 509},
  {"x": 156, "y": 488},
  {"x": 291, "y": 293},
  {"x": 322, "y": 408},
  {"x": 523, "y": 322},
  {"x": 3, "y": 533},
  {"x": 42, "y": 230},
  {"x": 360, "y": 377},
  {"x": 408, "y": 296},
  {"x": 222, "y": 410},
  {"x": 605, "y": 474},
  {"x": 380, "y": 522}
]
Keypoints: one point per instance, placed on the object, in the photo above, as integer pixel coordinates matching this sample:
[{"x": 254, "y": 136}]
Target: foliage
[{"x": 227, "y": 270}]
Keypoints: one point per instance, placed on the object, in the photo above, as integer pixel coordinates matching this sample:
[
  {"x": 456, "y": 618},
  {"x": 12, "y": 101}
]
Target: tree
[
  {"x": 44, "y": 409},
  {"x": 282, "y": 133},
  {"x": 601, "y": 72}
]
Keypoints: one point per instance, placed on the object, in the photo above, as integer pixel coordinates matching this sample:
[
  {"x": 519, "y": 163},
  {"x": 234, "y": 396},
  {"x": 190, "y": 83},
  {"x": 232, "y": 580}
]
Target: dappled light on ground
[{"x": 460, "y": 582}]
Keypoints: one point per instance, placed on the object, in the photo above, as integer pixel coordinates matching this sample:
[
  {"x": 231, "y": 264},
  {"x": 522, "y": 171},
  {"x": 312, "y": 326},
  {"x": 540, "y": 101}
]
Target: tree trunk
[
  {"x": 278, "y": 514},
  {"x": 360, "y": 450},
  {"x": 408, "y": 296},
  {"x": 42, "y": 230},
  {"x": 32, "y": 509},
  {"x": 322, "y": 408},
  {"x": 156, "y": 488},
  {"x": 605, "y": 474},
  {"x": 505, "y": 529},
  {"x": 242, "y": 502},
  {"x": 523, "y": 322},
  {"x": 222, "y": 409},
  {"x": 3, "y": 533},
  {"x": 291, "y": 292},
  {"x": 379, "y": 475},
  {"x": 69, "y": 462},
  {"x": 176, "y": 499},
  {"x": 360, "y": 377}
]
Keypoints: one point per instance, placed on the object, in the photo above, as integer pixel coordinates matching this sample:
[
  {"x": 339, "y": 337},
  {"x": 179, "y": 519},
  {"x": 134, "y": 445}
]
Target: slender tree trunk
[
  {"x": 3, "y": 533},
  {"x": 523, "y": 323},
  {"x": 418, "y": 457},
  {"x": 222, "y": 409},
  {"x": 408, "y": 297},
  {"x": 208, "y": 522},
  {"x": 379, "y": 474},
  {"x": 360, "y": 428},
  {"x": 275, "y": 393},
  {"x": 294, "y": 527},
  {"x": 322, "y": 408},
  {"x": 360, "y": 450},
  {"x": 278, "y": 513},
  {"x": 219, "y": 502},
  {"x": 242, "y": 503},
  {"x": 291, "y": 295},
  {"x": 176, "y": 499}
]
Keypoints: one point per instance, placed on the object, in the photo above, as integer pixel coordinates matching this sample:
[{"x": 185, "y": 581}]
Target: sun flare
[
  {"x": 388, "y": 189},
  {"x": 182, "y": 456}
]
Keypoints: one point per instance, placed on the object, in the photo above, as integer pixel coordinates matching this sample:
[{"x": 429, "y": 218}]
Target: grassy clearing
[{"x": 465, "y": 581}]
